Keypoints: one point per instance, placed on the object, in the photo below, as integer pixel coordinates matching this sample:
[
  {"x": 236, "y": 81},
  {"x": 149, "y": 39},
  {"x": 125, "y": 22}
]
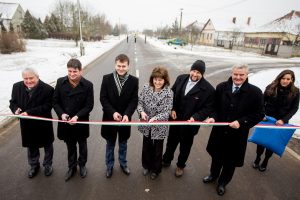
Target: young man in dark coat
[
  {"x": 119, "y": 98},
  {"x": 34, "y": 97},
  {"x": 241, "y": 104},
  {"x": 193, "y": 101},
  {"x": 73, "y": 100}
]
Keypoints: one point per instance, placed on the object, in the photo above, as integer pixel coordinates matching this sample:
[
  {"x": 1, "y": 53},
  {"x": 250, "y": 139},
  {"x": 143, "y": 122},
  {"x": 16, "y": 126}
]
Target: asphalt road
[{"x": 280, "y": 181}]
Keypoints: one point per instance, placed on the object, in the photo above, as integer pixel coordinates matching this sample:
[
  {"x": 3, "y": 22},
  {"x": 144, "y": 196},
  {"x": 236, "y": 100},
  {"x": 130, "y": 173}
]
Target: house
[
  {"x": 193, "y": 31},
  {"x": 11, "y": 13},
  {"x": 282, "y": 32},
  {"x": 224, "y": 33}
]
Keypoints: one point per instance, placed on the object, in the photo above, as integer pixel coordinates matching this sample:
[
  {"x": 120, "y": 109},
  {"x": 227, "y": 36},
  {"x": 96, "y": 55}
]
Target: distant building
[
  {"x": 11, "y": 13},
  {"x": 281, "y": 32},
  {"x": 225, "y": 33},
  {"x": 193, "y": 31}
]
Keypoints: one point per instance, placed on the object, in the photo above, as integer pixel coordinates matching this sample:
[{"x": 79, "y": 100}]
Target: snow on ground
[{"x": 50, "y": 56}]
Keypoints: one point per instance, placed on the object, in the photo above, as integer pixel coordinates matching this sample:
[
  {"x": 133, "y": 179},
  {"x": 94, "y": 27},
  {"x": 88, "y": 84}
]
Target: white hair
[
  {"x": 240, "y": 66},
  {"x": 30, "y": 70}
]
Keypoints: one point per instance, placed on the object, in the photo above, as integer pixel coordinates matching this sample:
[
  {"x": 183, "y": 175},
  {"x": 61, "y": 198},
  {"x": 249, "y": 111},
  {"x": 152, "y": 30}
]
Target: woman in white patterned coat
[{"x": 155, "y": 104}]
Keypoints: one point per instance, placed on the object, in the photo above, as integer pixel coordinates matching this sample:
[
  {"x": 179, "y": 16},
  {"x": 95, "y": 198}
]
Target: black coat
[
  {"x": 34, "y": 133},
  {"x": 197, "y": 103},
  {"x": 227, "y": 144},
  {"x": 125, "y": 104},
  {"x": 77, "y": 101},
  {"x": 281, "y": 106}
]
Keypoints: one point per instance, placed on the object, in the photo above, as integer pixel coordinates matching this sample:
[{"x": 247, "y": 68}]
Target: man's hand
[
  {"x": 74, "y": 119},
  {"x": 18, "y": 111},
  {"x": 117, "y": 117},
  {"x": 24, "y": 114},
  {"x": 235, "y": 124},
  {"x": 209, "y": 120},
  {"x": 65, "y": 117},
  {"x": 125, "y": 118},
  {"x": 191, "y": 119}
]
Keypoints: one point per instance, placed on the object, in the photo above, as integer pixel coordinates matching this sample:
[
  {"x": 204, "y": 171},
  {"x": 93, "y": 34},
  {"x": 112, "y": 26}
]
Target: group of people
[{"x": 191, "y": 98}]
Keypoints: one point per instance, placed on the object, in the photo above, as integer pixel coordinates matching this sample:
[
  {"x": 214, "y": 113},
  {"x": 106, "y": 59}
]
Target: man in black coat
[
  {"x": 119, "y": 98},
  {"x": 34, "y": 97},
  {"x": 241, "y": 105},
  {"x": 193, "y": 101},
  {"x": 73, "y": 100}
]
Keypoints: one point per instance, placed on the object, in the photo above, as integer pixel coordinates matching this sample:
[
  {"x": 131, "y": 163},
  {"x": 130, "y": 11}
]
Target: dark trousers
[
  {"x": 152, "y": 154},
  {"x": 33, "y": 155},
  {"x": 259, "y": 151},
  {"x": 72, "y": 153},
  {"x": 186, "y": 142},
  {"x": 223, "y": 171}
]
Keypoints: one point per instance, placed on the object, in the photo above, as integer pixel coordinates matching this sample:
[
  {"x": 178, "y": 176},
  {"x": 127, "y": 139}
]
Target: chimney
[
  {"x": 248, "y": 21},
  {"x": 233, "y": 20}
]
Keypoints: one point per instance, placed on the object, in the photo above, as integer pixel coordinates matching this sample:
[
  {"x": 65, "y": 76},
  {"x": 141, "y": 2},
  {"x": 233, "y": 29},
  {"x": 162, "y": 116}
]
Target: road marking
[{"x": 137, "y": 73}]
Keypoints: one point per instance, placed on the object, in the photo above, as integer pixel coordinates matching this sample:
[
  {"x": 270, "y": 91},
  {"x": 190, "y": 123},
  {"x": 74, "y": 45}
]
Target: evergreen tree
[{"x": 32, "y": 27}]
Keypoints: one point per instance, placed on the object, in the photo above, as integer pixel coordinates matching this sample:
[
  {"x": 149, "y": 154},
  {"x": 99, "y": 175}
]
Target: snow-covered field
[{"x": 50, "y": 56}]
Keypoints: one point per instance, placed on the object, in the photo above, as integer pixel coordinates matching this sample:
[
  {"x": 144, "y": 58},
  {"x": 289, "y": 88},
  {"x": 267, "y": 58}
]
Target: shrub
[{"x": 11, "y": 42}]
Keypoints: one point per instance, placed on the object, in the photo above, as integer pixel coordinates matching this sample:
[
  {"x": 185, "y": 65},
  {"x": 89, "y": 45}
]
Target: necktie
[{"x": 236, "y": 89}]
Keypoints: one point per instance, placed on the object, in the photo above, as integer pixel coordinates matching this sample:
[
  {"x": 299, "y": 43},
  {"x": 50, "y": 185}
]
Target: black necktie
[{"x": 236, "y": 89}]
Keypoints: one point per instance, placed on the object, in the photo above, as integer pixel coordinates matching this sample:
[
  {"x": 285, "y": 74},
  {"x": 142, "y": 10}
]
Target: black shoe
[
  {"x": 83, "y": 171},
  {"x": 145, "y": 172},
  {"x": 262, "y": 169},
  {"x": 125, "y": 169},
  {"x": 153, "y": 175},
  {"x": 109, "y": 172},
  {"x": 70, "y": 173},
  {"x": 33, "y": 171},
  {"x": 165, "y": 164},
  {"x": 48, "y": 170},
  {"x": 255, "y": 166},
  {"x": 209, "y": 179},
  {"x": 221, "y": 189}
]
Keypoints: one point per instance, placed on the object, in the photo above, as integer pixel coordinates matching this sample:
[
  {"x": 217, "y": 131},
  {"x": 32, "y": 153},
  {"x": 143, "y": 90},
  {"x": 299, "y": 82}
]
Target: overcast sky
[{"x": 141, "y": 14}]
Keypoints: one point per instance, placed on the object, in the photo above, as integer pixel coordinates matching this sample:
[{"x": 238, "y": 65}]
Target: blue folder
[{"x": 272, "y": 138}]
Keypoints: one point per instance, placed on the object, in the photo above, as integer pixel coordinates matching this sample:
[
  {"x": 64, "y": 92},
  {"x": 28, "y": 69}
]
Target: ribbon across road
[{"x": 144, "y": 123}]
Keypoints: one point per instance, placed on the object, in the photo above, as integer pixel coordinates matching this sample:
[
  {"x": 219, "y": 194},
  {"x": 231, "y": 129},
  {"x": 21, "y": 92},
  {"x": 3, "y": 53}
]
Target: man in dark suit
[
  {"x": 193, "y": 101},
  {"x": 73, "y": 100},
  {"x": 241, "y": 104},
  {"x": 34, "y": 97},
  {"x": 119, "y": 98}
]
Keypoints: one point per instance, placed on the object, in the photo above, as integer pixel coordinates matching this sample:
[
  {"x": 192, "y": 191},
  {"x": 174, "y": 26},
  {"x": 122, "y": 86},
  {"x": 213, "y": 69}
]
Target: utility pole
[
  {"x": 181, "y": 9},
  {"x": 80, "y": 32}
]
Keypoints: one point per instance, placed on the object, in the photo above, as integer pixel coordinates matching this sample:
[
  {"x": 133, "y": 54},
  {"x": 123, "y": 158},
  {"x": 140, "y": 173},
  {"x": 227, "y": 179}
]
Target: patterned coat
[{"x": 156, "y": 105}]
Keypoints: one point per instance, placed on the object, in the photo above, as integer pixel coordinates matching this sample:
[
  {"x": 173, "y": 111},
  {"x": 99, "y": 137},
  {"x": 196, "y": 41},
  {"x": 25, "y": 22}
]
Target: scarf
[{"x": 120, "y": 80}]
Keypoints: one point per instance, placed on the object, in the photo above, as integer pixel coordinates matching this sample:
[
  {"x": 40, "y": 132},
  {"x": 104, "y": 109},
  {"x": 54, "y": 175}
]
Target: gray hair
[
  {"x": 241, "y": 66},
  {"x": 30, "y": 71}
]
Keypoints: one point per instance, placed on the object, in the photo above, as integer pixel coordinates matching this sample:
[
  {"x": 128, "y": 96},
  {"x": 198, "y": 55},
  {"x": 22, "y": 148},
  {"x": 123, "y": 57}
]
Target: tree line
[{"x": 61, "y": 23}]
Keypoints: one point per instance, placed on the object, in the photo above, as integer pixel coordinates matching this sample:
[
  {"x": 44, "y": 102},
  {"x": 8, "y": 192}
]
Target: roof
[
  {"x": 195, "y": 24},
  {"x": 228, "y": 25},
  {"x": 289, "y": 23},
  {"x": 8, "y": 10}
]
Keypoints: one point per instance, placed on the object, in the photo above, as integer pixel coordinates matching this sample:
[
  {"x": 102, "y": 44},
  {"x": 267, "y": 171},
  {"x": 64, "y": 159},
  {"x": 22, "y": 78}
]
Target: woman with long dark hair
[{"x": 281, "y": 101}]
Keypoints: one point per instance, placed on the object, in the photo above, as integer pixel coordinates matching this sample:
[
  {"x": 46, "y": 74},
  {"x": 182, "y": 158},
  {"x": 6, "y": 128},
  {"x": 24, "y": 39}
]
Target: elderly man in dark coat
[
  {"x": 241, "y": 104},
  {"x": 119, "y": 99},
  {"x": 34, "y": 97},
  {"x": 193, "y": 101},
  {"x": 73, "y": 100}
]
